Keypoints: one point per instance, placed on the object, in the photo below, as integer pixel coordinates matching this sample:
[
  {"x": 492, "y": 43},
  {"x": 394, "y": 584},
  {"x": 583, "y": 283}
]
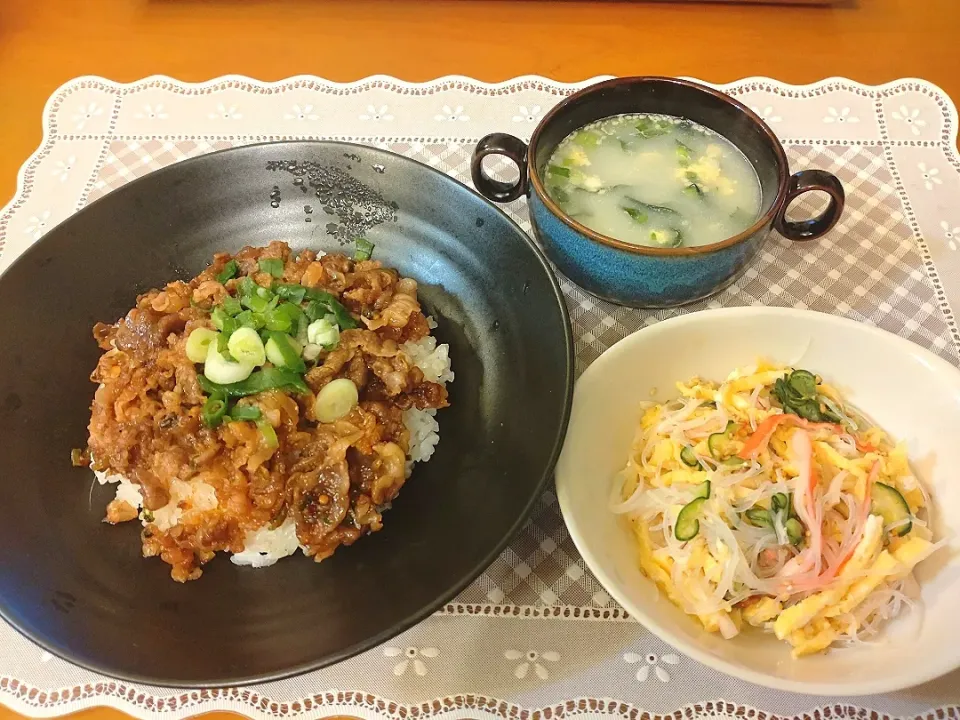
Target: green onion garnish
[
  {"x": 223, "y": 322},
  {"x": 258, "y": 382},
  {"x": 229, "y": 271},
  {"x": 290, "y": 359},
  {"x": 245, "y": 412},
  {"x": 284, "y": 318},
  {"x": 558, "y": 170},
  {"x": 323, "y": 303},
  {"x": 638, "y": 215},
  {"x": 364, "y": 250},
  {"x": 250, "y": 319},
  {"x": 274, "y": 266},
  {"x": 214, "y": 409},
  {"x": 290, "y": 292},
  {"x": 255, "y": 303},
  {"x": 268, "y": 433},
  {"x": 231, "y": 305}
]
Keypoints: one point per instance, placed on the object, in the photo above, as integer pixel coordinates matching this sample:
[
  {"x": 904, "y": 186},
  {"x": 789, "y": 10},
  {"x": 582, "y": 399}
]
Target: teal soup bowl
[{"x": 642, "y": 276}]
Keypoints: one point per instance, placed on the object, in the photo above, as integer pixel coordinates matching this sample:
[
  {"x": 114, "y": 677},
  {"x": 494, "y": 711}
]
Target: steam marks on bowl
[{"x": 356, "y": 206}]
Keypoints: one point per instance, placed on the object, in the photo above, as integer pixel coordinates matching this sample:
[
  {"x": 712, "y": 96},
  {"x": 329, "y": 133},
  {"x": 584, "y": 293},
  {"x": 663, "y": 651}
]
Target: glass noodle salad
[{"x": 767, "y": 501}]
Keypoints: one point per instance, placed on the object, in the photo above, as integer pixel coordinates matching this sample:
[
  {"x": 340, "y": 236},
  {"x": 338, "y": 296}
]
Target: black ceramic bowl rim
[
  {"x": 457, "y": 587},
  {"x": 783, "y": 171}
]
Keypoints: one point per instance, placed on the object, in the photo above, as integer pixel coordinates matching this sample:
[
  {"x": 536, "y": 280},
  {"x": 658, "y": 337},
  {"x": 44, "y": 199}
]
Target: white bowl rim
[{"x": 933, "y": 671}]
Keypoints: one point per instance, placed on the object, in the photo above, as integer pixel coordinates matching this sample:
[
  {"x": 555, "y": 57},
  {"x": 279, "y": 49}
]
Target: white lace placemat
[{"x": 535, "y": 636}]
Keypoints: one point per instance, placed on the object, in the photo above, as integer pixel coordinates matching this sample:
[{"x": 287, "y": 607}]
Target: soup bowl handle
[
  {"x": 806, "y": 181},
  {"x": 499, "y": 144}
]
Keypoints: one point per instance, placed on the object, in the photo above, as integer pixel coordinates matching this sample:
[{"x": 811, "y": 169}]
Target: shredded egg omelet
[{"x": 767, "y": 501}]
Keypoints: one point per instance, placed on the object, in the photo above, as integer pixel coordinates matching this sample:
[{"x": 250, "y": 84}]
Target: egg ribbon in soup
[{"x": 654, "y": 180}]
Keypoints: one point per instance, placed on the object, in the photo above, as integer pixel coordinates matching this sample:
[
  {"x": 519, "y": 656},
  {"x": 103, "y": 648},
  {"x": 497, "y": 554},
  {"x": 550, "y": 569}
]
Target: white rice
[{"x": 264, "y": 547}]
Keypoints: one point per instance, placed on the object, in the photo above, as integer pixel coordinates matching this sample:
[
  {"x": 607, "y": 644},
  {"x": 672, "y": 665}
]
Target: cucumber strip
[
  {"x": 717, "y": 444},
  {"x": 778, "y": 502},
  {"x": 794, "y": 530},
  {"x": 888, "y": 503},
  {"x": 688, "y": 525},
  {"x": 689, "y": 457},
  {"x": 703, "y": 490},
  {"x": 759, "y": 517}
]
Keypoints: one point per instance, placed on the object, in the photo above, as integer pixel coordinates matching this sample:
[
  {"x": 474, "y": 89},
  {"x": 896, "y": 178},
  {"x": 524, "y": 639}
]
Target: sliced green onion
[
  {"x": 231, "y": 305},
  {"x": 223, "y": 346},
  {"x": 324, "y": 332},
  {"x": 246, "y": 347},
  {"x": 218, "y": 369},
  {"x": 250, "y": 319},
  {"x": 282, "y": 353},
  {"x": 229, "y": 271},
  {"x": 274, "y": 266},
  {"x": 364, "y": 250},
  {"x": 245, "y": 412},
  {"x": 693, "y": 190},
  {"x": 558, "y": 170},
  {"x": 198, "y": 343},
  {"x": 255, "y": 303},
  {"x": 649, "y": 128},
  {"x": 247, "y": 286},
  {"x": 311, "y": 351},
  {"x": 224, "y": 322},
  {"x": 684, "y": 153},
  {"x": 214, "y": 409},
  {"x": 320, "y": 303},
  {"x": 336, "y": 399},
  {"x": 290, "y": 292},
  {"x": 637, "y": 215},
  {"x": 284, "y": 318},
  {"x": 666, "y": 238},
  {"x": 268, "y": 433},
  {"x": 270, "y": 378},
  {"x": 586, "y": 138}
]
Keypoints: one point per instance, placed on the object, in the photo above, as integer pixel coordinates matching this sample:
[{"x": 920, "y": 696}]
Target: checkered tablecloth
[{"x": 535, "y": 631}]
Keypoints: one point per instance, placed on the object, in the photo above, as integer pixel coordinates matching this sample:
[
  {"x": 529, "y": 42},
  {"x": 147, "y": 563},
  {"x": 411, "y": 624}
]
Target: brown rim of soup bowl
[{"x": 788, "y": 186}]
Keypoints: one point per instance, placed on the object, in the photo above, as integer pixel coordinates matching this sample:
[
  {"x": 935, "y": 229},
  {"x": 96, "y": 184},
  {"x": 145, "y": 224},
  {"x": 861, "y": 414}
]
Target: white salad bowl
[{"x": 908, "y": 391}]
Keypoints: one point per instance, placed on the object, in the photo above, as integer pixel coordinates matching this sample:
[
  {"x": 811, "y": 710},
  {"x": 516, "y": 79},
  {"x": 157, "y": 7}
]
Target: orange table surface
[{"x": 43, "y": 43}]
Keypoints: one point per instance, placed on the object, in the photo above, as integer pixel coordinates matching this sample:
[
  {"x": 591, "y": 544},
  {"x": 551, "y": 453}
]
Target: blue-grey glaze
[{"x": 638, "y": 280}]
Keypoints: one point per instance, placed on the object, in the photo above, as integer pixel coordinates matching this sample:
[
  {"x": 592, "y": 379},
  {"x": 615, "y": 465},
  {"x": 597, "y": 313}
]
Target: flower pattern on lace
[
  {"x": 62, "y": 168},
  {"x": 38, "y": 225},
  {"x": 767, "y": 114},
  {"x": 85, "y": 113},
  {"x": 525, "y": 114},
  {"x": 910, "y": 116},
  {"x": 225, "y": 112},
  {"x": 376, "y": 113},
  {"x": 532, "y": 659},
  {"x": 951, "y": 235},
  {"x": 152, "y": 112},
  {"x": 931, "y": 176},
  {"x": 298, "y": 112},
  {"x": 651, "y": 661},
  {"x": 451, "y": 115},
  {"x": 840, "y": 116},
  {"x": 411, "y": 659}
]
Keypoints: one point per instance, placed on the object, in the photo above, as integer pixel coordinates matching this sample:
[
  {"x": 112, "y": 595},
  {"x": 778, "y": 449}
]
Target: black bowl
[{"x": 79, "y": 587}]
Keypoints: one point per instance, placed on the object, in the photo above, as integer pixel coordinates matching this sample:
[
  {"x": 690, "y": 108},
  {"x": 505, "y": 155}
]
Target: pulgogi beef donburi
[{"x": 276, "y": 401}]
